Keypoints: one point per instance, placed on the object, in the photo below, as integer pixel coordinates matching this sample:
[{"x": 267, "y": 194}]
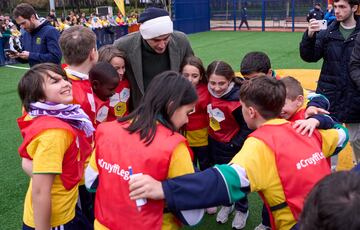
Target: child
[
  {"x": 78, "y": 46},
  {"x": 275, "y": 160},
  {"x": 294, "y": 111},
  {"x": 332, "y": 204},
  {"x": 197, "y": 127},
  {"x": 104, "y": 80},
  {"x": 196, "y": 130},
  {"x": 255, "y": 63},
  {"x": 228, "y": 129},
  {"x": 119, "y": 102},
  {"x": 294, "y": 108},
  {"x": 149, "y": 143},
  {"x": 14, "y": 41},
  {"x": 54, "y": 131}
]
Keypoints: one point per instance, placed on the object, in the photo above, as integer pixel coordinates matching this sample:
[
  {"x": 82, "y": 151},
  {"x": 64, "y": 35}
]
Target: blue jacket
[
  {"x": 334, "y": 81},
  {"x": 42, "y": 43}
]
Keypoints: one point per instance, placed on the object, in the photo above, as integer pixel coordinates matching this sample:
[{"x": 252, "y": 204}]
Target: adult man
[
  {"x": 335, "y": 45},
  {"x": 40, "y": 39},
  {"x": 152, "y": 50},
  {"x": 316, "y": 13}
]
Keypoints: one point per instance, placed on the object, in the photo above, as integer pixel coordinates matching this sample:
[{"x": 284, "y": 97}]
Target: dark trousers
[
  {"x": 246, "y": 23},
  {"x": 202, "y": 156},
  {"x": 87, "y": 201},
  {"x": 78, "y": 223},
  {"x": 265, "y": 216},
  {"x": 242, "y": 205}
]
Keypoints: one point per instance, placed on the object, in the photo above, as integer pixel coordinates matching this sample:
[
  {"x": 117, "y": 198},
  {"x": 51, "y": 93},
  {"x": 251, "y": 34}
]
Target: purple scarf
[{"x": 71, "y": 114}]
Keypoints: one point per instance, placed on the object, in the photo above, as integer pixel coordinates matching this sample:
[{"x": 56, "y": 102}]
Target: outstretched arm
[{"x": 222, "y": 184}]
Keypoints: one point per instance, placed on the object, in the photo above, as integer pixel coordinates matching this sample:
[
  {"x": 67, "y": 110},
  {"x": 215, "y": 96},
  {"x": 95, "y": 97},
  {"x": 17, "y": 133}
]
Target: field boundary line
[{"x": 16, "y": 67}]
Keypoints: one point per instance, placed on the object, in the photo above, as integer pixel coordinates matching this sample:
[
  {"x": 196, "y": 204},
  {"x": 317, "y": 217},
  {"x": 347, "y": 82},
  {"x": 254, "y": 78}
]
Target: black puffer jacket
[{"x": 334, "y": 82}]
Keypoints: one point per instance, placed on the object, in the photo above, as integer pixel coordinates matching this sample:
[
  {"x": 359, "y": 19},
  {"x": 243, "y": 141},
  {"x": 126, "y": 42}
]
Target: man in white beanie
[{"x": 152, "y": 50}]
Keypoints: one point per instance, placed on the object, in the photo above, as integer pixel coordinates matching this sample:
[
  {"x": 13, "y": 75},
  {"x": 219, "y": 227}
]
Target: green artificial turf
[{"x": 209, "y": 46}]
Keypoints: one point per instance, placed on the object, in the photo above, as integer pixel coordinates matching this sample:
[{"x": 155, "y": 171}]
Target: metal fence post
[
  {"x": 234, "y": 12},
  {"x": 263, "y": 16},
  {"x": 293, "y": 15}
]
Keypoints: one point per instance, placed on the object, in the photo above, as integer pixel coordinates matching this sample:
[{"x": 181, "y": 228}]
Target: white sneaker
[
  {"x": 211, "y": 211},
  {"x": 239, "y": 221},
  {"x": 262, "y": 227},
  {"x": 224, "y": 213}
]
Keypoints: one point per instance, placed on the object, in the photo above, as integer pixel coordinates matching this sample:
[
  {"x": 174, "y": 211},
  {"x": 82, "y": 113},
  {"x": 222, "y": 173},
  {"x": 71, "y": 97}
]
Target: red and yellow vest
[
  {"x": 199, "y": 119},
  {"x": 116, "y": 151},
  {"x": 300, "y": 164},
  {"x": 76, "y": 154},
  {"x": 116, "y": 106},
  {"x": 299, "y": 115},
  {"x": 223, "y": 126}
]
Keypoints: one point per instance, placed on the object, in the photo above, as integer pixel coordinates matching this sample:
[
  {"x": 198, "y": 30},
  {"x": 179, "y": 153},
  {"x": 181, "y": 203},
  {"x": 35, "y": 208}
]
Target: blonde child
[{"x": 54, "y": 149}]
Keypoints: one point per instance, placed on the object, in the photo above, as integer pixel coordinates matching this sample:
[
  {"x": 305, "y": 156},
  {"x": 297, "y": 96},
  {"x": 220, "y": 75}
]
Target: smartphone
[
  {"x": 9, "y": 51},
  {"x": 322, "y": 24}
]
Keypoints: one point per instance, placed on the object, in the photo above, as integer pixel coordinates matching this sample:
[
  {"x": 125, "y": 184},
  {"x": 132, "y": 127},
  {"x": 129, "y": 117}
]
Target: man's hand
[
  {"x": 24, "y": 55},
  {"x": 312, "y": 110},
  {"x": 313, "y": 27},
  {"x": 306, "y": 126},
  {"x": 12, "y": 54},
  {"x": 144, "y": 186}
]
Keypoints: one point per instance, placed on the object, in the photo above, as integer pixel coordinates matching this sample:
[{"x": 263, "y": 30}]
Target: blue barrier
[{"x": 104, "y": 36}]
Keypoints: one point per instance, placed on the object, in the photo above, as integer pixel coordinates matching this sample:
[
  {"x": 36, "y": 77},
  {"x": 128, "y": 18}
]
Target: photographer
[
  {"x": 335, "y": 45},
  {"x": 315, "y": 13},
  {"x": 39, "y": 40}
]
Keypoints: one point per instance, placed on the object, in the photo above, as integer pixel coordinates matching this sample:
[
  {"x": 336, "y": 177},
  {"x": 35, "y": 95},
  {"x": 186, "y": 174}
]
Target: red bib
[
  {"x": 116, "y": 106},
  {"x": 199, "y": 118},
  {"x": 116, "y": 150},
  {"x": 73, "y": 164},
  {"x": 299, "y": 160},
  {"x": 223, "y": 125}
]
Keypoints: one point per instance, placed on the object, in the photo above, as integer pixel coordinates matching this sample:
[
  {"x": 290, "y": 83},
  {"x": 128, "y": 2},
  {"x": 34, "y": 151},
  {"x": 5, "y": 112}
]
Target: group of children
[
  {"x": 93, "y": 21},
  {"x": 216, "y": 112}
]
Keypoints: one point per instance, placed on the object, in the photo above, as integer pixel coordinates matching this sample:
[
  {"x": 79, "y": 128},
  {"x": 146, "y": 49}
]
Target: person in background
[
  {"x": 330, "y": 14},
  {"x": 315, "y": 13},
  {"x": 243, "y": 16},
  {"x": 39, "y": 40},
  {"x": 335, "y": 46},
  {"x": 152, "y": 50}
]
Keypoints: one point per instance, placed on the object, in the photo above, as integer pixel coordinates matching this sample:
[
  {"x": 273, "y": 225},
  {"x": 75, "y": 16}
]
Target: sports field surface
[{"x": 282, "y": 48}]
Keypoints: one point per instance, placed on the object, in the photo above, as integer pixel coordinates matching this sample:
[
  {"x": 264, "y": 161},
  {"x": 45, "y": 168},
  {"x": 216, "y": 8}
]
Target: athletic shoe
[
  {"x": 262, "y": 227},
  {"x": 239, "y": 221},
  {"x": 223, "y": 215}
]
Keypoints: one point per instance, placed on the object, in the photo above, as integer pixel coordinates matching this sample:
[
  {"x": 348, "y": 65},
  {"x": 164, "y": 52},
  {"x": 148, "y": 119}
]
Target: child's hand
[
  {"x": 312, "y": 110},
  {"x": 144, "y": 186},
  {"x": 304, "y": 126}
]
